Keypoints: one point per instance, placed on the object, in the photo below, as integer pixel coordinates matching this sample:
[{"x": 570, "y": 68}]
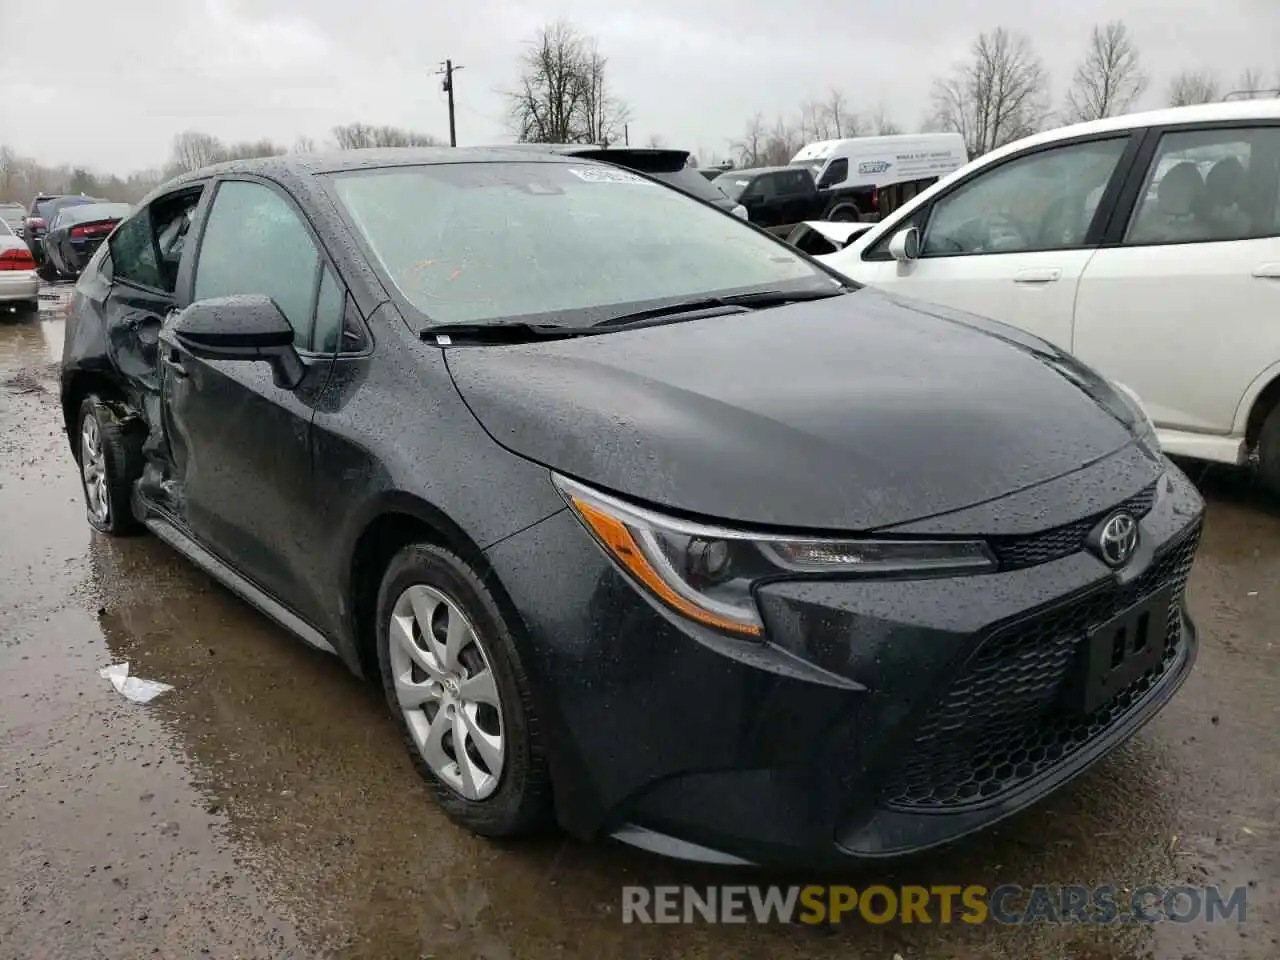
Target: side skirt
[{"x": 237, "y": 584}]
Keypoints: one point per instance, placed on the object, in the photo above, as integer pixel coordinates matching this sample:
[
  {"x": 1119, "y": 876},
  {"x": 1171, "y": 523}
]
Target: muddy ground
[{"x": 264, "y": 807}]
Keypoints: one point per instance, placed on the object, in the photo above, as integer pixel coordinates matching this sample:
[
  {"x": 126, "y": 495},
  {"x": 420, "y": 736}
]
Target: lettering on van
[{"x": 873, "y": 166}]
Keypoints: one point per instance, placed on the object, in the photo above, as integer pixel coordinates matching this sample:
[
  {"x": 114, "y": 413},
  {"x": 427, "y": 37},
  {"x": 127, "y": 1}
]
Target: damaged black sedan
[{"x": 644, "y": 521}]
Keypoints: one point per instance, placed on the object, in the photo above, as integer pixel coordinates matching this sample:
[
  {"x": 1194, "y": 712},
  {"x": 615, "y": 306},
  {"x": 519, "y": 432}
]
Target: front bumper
[
  {"x": 881, "y": 717},
  {"x": 19, "y": 285}
]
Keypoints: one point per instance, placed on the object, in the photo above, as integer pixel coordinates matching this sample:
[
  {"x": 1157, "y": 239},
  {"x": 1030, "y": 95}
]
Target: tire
[
  {"x": 118, "y": 462},
  {"x": 1269, "y": 452},
  {"x": 425, "y": 582},
  {"x": 844, "y": 213}
]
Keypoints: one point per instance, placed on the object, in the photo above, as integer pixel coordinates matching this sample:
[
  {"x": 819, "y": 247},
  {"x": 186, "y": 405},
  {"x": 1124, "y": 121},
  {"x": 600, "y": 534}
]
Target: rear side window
[
  {"x": 133, "y": 252},
  {"x": 789, "y": 183},
  {"x": 254, "y": 242},
  {"x": 1210, "y": 185}
]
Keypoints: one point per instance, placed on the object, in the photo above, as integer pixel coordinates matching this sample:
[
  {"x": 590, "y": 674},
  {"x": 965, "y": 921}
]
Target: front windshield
[{"x": 478, "y": 242}]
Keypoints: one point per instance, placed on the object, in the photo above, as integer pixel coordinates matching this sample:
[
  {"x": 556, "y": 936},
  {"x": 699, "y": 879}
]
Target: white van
[{"x": 853, "y": 173}]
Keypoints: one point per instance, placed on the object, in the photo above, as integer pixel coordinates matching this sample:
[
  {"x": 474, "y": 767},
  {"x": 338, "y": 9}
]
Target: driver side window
[{"x": 1043, "y": 201}]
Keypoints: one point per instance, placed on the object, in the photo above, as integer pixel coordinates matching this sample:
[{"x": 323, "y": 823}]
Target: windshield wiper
[
  {"x": 748, "y": 301},
  {"x": 503, "y": 332}
]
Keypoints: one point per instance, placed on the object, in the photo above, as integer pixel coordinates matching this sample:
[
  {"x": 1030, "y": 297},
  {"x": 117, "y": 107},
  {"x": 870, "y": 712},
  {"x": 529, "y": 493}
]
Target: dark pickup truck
[{"x": 779, "y": 198}]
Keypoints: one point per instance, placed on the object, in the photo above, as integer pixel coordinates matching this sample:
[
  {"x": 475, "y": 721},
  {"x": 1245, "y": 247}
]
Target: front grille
[
  {"x": 1002, "y": 723},
  {"x": 1013, "y": 553}
]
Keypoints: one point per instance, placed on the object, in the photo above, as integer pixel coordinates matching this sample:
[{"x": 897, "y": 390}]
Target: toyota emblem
[{"x": 1117, "y": 539}]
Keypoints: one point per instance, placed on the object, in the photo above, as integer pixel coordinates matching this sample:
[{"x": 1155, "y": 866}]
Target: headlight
[
  {"x": 1143, "y": 426},
  {"x": 740, "y": 211},
  {"x": 707, "y": 573}
]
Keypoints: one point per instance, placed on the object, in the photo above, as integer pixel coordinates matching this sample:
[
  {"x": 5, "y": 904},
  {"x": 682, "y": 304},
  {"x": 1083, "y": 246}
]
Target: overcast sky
[{"x": 117, "y": 79}]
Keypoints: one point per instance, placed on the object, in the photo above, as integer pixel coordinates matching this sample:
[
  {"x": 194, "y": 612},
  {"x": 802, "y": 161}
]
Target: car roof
[
  {"x": 1242, "y": 110},
  {"x": 300, "y": 166}
]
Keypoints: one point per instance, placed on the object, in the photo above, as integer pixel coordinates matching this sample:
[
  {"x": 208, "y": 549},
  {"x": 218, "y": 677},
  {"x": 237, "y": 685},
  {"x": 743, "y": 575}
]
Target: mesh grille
[
  {"x": 1002, "y": 723},
  {"x": 1013, "y": 553}
]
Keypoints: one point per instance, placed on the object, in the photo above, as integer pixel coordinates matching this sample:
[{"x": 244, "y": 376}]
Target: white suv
[{"x": 1148, "y": 245}]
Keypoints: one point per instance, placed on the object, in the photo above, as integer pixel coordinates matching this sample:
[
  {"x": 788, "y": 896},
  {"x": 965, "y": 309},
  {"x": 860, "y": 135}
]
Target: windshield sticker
[{"x": 605, "y": 175}]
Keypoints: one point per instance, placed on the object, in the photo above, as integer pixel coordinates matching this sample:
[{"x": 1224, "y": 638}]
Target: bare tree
[
  {"x": 304, "y": 144},
  {"x": 655, "y": 141},
  {"x": 356, "y": 136},
  {"x": 1109, "y": 79},
  {"x": 782, "y": 143},
  {"x": 563, "y": 95},
  {"x": 8, "y": 170},
  {"x": 750, "y": 149},
  {"x": 1192, "y": 87},
  {"x": 603, "y": 114},
  {"x": 843, "y": 123},
  {"x": 193, "y": 150},
  {"x": 998, "y": 96},
  {"x": 252, "y": 148},
  {"x": 881, "y": 124},
  {"x": 815, "y": 121}
]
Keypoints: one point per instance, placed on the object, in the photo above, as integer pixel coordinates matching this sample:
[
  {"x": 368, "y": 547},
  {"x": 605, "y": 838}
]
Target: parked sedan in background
[
  {"x": 75, "y": 233},
  {"x": 19, "y": 284},
  {"x": 43, "y": 209},
  {"x": 1148, "y": 245},
  {"x": 640, "y": 517}
]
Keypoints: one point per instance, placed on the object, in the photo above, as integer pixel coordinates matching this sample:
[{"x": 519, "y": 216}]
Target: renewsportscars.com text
[{"x": 973, "y": 904}]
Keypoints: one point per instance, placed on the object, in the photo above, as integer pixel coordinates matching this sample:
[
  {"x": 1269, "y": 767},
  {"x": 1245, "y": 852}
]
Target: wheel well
[
  {"x": 382, "y": 539},
  {"x": 80, "y": 385},
  {"x": 843, "y": 202},
  {"x": 1266, "y": 402}
]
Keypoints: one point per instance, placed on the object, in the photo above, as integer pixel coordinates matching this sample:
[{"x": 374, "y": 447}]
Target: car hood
[{"x": 846, "y": 414}]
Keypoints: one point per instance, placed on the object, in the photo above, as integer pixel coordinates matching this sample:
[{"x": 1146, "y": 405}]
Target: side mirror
[
  {"x": 905, "y": 244},
  {"x": 248, "y": 327}
]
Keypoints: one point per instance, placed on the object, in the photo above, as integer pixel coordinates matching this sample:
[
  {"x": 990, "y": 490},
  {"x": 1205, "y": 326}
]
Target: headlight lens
[{"x": 707, "y": 573}]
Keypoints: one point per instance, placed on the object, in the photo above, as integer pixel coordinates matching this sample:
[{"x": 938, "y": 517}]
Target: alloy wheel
[
  {"x": 447, "y": 691},
  {"x": 93, "y": 467}
]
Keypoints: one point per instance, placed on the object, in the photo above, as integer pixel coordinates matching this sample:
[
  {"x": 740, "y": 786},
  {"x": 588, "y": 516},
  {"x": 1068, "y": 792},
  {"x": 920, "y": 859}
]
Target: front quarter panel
[{"x": 392, "y": 435}]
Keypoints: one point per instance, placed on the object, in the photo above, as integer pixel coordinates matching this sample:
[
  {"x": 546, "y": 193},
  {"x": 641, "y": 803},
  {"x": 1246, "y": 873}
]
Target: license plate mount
[{"x": 1118, "y": 652}]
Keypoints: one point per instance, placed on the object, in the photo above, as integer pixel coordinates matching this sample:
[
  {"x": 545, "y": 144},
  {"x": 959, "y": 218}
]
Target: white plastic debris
[{"x": 133, "y": 688}]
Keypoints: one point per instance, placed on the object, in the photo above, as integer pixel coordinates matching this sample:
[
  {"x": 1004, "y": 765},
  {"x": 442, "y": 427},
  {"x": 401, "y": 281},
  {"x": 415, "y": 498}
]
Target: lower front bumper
[{"x": 796, "y": 751}]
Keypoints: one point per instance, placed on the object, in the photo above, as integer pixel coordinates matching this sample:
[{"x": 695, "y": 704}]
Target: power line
[{"x": 447, "y": 70}]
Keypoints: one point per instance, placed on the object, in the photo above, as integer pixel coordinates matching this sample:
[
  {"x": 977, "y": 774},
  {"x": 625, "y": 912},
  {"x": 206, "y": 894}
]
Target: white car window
[
  {"x": 1042, "y": 201},
  {"x": 1210, "y": 185}
]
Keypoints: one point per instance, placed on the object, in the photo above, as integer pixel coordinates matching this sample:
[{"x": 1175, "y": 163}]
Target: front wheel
[{"x": 453, "y": 679}]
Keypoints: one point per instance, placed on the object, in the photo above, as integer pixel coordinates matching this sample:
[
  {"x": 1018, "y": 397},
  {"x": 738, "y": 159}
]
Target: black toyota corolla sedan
[{"x": 645, "y": 522}]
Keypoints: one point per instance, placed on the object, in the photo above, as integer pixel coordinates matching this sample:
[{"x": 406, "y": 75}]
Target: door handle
[
  {"x": 1267, "y": 271},
  {"x": 1039, "y": 275},
  {"x": 173, "y": 360}
]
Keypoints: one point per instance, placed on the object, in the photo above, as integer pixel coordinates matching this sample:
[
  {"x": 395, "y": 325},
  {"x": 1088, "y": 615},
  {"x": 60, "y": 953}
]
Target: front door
[
  {"x": 1012, "y": 242},
  {"x": 241, "y": 444}
]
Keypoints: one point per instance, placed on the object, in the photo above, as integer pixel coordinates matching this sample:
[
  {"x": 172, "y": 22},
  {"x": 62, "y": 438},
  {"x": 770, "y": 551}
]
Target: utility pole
[
  {"x": 626, "y": 135},
  {"x": 447, "y": 71}
]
